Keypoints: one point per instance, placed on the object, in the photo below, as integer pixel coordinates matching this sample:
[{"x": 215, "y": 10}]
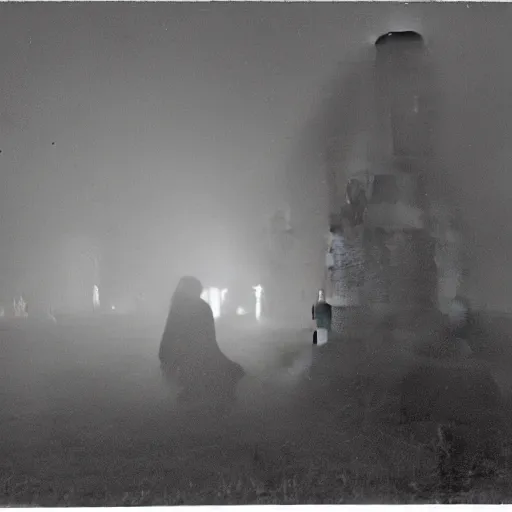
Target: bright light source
[
  {"x": 95, "y": 297},
  {"x": 258, "y": 290},
  {"x": 240, "y": 311},
  {"x": 113, "y": 308},
  {"x": 215, "y": 299}
]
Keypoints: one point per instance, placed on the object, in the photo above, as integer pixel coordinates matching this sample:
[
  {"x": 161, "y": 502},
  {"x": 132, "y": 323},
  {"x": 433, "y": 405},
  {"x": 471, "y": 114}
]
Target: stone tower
[{"x": 400, "y": 252}]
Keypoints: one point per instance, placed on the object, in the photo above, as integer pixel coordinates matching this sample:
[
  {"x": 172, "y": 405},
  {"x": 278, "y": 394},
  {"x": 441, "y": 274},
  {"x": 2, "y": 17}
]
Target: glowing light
[
  {"x": 95, "y": 297},
  {"x": 113, "y": 308},
  {"x": 215, "y": 297},
  {"x": 258, "y": 291},
  {"x": 215, "y": 301},
  {"x": 240, "y": 311}
]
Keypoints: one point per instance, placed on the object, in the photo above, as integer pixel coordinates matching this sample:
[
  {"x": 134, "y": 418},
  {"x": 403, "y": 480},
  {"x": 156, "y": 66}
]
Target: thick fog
[{"x": 159, "y": 138}]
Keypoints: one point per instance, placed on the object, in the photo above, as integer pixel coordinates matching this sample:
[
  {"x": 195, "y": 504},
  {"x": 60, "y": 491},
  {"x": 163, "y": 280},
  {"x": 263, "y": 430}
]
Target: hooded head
[{"x": 189, "y": 287}]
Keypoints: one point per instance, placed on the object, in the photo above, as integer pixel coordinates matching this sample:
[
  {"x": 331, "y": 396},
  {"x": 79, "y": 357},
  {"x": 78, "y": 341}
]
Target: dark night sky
[{"x": 173, "y": 123}]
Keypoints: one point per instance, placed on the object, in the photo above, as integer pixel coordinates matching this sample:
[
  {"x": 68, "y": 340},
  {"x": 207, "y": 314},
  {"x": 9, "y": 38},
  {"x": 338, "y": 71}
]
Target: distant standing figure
[
  {"x": 189, "y": 353},
  {"x": 322, "y": 313}
]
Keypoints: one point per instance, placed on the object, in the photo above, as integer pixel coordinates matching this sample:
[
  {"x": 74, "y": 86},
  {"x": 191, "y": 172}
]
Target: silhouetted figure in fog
[{"x": 189, "y": 353}]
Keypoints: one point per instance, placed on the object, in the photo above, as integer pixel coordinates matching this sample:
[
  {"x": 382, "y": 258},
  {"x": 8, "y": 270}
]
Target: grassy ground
[{"x": 86, "y": 420}]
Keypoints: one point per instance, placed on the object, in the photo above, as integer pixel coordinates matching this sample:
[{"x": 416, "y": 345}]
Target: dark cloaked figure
[{"x": 189, "y": 353}]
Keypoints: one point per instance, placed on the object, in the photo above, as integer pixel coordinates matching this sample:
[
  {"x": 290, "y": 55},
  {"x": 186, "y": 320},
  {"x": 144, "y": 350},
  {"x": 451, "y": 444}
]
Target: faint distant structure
[
  {"x": 286, "y": 278},
  {"x": 279, "y": 247},
  {"x": 80, "y": 272},
  {"x": 20, "y": 308},
  {"x": 280, "y": 240}
]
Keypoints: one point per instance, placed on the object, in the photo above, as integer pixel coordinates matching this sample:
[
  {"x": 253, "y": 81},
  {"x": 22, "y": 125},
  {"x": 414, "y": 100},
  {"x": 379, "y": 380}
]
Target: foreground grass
[
  {"x": 352, "y": 456},
  {"x": 272, "y": 479},
  {"x": 112, "y": 444}
]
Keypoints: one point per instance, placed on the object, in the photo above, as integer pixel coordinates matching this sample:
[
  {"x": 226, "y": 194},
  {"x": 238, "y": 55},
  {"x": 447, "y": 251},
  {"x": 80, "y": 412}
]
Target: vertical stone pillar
[
  {"x": 401, "y": 268},
  {"x": 405, "y": 93}
]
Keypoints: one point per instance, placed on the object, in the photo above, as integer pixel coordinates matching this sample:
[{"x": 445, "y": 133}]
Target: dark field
[{"x": 86, "y": 420}]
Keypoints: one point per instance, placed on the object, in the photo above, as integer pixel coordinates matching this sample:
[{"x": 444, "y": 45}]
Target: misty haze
[{"x": 255, "y": 253}]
